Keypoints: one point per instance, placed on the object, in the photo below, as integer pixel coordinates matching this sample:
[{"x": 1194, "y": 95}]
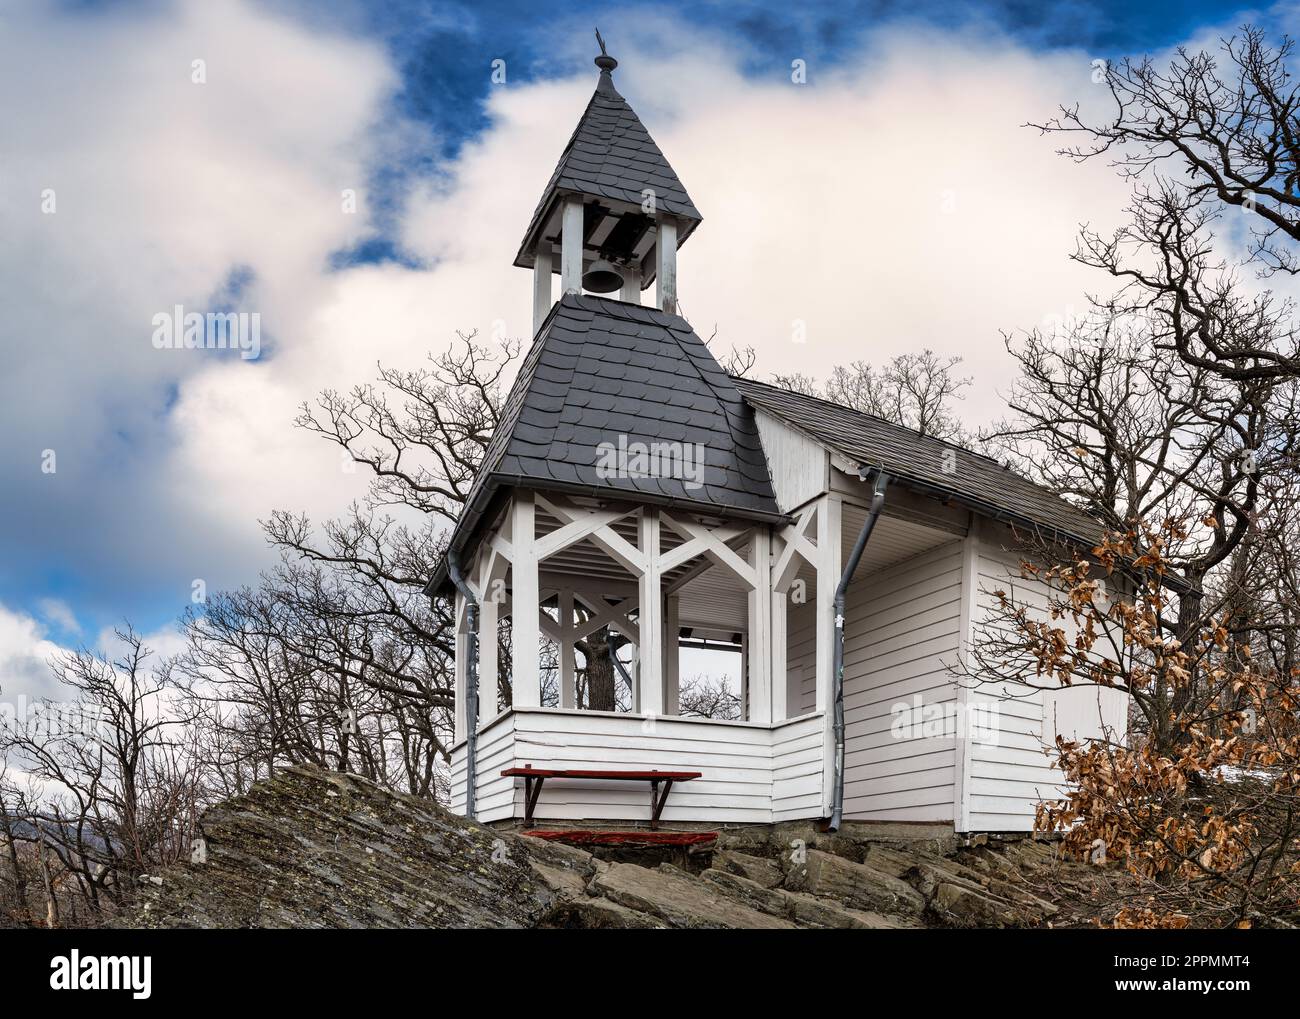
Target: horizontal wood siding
[
  {"x": 495, "y": 752},
  {"x": 797, "y": 769},
  {"x": 751, "y": 773},
  {"x": 901, "y": 638},
  {"x": 736, "y": 761},
  {"x": 1009, "y": 777}
]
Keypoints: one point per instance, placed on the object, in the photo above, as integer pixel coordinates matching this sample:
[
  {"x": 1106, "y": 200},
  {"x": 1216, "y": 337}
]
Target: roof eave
[
  {"x": 468, "y": 525},
  {"x": 1054, "y": 534}
]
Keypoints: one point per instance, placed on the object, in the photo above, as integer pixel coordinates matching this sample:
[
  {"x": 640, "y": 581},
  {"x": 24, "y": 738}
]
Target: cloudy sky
[{"x": 158, "y": 153}]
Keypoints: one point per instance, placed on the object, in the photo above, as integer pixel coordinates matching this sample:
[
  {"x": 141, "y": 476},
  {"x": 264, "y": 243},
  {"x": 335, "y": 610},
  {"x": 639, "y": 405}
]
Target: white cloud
[
  {"x": 895, "y": 203},
  {"x": 162, "y": 188},
  {"x": 58, "y": 612},
  {"x": 25, "y": 654}
]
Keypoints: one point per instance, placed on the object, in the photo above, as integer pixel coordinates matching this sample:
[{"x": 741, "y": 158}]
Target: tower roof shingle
[{"x": 612, "y": 156}]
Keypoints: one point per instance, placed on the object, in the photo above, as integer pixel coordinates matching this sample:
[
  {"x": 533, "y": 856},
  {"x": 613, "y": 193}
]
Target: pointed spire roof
[
  {"x": 611, "y": 156},
  {"x": 605, "y": 373}
]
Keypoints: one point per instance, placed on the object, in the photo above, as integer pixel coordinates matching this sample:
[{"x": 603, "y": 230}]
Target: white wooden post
[
  {"x": 462, "y": 661},
  {"x": 542, "y": 267},
  {"x": 666, "y": 265},
  {"x": 571, "y": 247},
  {"x": 797, "y": 551},
  {"x": 672, "y": 655},
  {"x": 966, "y": 635},
  {"x": 760, "y": 637},
  {"x": 650, "y": 673},
  {"x": 489, "y": 616},
  {"x": 524, "y": 609},
  {"x": 829, "y": 521},
  {"x": 631, "y": 290},
  {"x": 568, "y": 696},
  {"x": 780, "y": 665},
  {"x": 744, "y": 677}
]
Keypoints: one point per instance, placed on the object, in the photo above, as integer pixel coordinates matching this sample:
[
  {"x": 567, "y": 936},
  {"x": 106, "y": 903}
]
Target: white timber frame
[
  {"x": 813, "y": 539},
  {"x": 571, "y": 247},
  {"x": 543, "y": 267},
  {"x": 523, "y": 575},
  {"x": 512, "y": 578},
  {"x": 570, "y": 252},
  {"x": 648, "y": 615}
]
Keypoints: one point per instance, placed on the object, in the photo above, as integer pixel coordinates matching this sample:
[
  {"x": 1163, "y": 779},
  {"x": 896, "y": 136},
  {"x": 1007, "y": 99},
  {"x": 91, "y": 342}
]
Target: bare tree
[
  {"x": 284, "y": 674},
  {"x": 915, "y": 390},
  {"x": 709, "y": 697},
  {"x": 739, "y": 361},
  {"x": 13, "y": 885},
  {"x": 357, "y": 602},
  {"x": 1106, "y": 419},
  {"x": 119, "y": 792},
  {"x": 1207, "y": 132},
  {"x": 1187, "y": 412}
]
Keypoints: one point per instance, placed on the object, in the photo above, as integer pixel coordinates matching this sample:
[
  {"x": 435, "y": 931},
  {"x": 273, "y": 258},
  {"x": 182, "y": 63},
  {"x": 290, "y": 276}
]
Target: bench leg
[
  {"x": 532, "y": 790},
  {"x": 656, "y": 801}
]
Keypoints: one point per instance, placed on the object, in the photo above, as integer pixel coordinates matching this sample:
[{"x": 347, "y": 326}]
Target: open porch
[{"x": 660, "y": 589}]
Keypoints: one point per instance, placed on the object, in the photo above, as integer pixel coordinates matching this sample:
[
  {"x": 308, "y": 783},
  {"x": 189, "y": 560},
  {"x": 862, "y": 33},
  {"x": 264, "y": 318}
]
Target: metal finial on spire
[{"x": 605, "y": 62}]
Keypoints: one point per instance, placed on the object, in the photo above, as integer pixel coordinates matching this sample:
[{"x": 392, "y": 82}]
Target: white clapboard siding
[
  {"x": 495, "y": 794},
  {"x": 735, "y": 758},
  {"x": 797, "y": 762},
  {"x": 751, "y": 773},
  {"x": 902, "y": 634},
  {"x": 1008, "y": 777}
]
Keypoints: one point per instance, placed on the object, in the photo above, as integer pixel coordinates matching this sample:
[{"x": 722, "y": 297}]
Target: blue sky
[
  {"x": 441, "y": 49},
  {"x": 224, "y": 194}
]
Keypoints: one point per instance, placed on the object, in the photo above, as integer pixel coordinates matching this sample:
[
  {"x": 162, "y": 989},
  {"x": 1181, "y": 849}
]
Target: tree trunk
[
  {"x": 51, "y": 903},
  {"x": 600, "y": 672},
  {"x": 1190, "y": 607},
  {"x": 20, "y": 885}
]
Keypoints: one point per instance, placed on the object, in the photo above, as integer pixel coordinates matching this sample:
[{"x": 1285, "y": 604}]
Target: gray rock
[
  {"x": 758, "y": 869},
  {"x": 677, "y": 899},
  {"x": 312, "y": 848},
  {"x": 598, "y": 914},
  {"x": 853, "y": 884},
  {"x": 960, "y": 906},
  {"x": 751, "y": 894}
]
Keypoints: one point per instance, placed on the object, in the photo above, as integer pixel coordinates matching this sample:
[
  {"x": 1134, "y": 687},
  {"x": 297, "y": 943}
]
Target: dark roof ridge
[{"x": 872, "y": 417}]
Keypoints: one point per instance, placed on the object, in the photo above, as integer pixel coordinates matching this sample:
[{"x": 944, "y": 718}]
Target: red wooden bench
[
  {"x": 534, "y": 777},
  {"x": 632, "y": 839}
]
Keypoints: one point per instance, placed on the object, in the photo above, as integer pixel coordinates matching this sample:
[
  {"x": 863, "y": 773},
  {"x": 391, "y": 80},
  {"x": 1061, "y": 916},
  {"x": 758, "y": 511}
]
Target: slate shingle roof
[
  {"x": 602, "y": 370},
  {"x": 908, "y": 455},
  {"x": 611, "y": 155}
]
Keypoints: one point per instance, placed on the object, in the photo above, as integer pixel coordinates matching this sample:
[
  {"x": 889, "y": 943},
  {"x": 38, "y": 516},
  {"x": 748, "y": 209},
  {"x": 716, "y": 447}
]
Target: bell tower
[{"x": 613, "y": 214}]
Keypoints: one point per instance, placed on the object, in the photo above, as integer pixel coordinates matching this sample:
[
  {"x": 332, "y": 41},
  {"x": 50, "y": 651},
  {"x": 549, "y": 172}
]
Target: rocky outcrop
[
  {"x": 318, "y": 849},
  {"x": 312, "y": 848}
]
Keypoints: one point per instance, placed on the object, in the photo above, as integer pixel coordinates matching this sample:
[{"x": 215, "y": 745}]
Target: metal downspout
[
  {"x": 877, "y": 501},
  {"x": 471, "y": 679}
]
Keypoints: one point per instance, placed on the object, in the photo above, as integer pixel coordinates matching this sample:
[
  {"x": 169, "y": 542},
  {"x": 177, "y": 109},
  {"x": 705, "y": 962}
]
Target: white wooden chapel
[{"x": 729, "y": 523}]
